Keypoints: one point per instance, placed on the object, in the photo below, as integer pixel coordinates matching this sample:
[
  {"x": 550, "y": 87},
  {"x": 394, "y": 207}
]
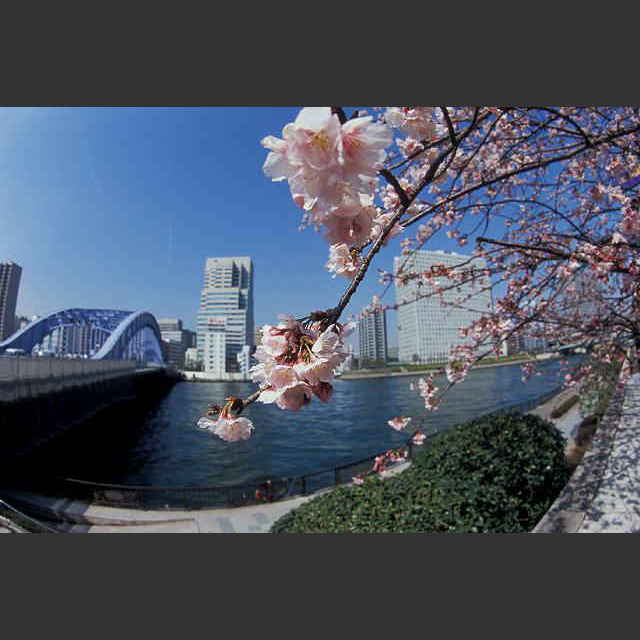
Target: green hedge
[{"x": 499, "y": 473}]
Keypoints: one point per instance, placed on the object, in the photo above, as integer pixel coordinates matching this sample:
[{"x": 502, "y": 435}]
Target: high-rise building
[
  {"x": 189, "y": 338},
  {"x": 177, "y": 340},
  {"x": 214, "y": 356},
  {"x": 170, "y": 324},
  {"x": 427, "y": 330},
  {"x": 10, "y": 274},
  {"x": 226, "y": 299},
  {"x": 191, "y": 359},
  {"x": 372, "y": 333}
]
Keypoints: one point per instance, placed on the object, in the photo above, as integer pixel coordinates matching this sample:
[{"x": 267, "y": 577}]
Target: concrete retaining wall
[
  {"x": 596, "y": 491},
  {"x": 35, "y": 418},
  {"x": 28, "y": 377}
]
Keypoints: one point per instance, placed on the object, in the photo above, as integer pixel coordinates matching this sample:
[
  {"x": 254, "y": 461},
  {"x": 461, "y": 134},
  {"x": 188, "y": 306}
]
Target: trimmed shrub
[{"x": 499, "y": 473}]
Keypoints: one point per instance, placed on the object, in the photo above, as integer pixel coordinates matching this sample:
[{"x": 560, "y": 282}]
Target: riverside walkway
[{"x": 603, "y": 494}]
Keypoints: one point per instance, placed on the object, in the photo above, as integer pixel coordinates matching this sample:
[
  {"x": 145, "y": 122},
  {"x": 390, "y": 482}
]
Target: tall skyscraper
[
  {"x": 175, "y": 339},
  {"x": 372, "y": 334},
  {"x": 427, "y": 330},
  {"x": 226, "y": 307},
  {"x": 9, "y": 282}
]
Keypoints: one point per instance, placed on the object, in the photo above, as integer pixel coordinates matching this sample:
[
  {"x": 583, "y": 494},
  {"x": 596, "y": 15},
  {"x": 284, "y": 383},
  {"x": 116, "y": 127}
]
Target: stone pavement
[
  {"x": 74, "y": 516},
  {"x": 603, "y": 494}
]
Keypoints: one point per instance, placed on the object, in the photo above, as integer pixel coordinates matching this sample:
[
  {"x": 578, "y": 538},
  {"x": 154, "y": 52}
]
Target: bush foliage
[
  {"x": 499, "y": 473},
  {"x": 597, "y": 390}
]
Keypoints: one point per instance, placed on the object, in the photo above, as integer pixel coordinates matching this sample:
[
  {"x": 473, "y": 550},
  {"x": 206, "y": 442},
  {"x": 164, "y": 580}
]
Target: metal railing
[
  {"x": 192, "y": 498},
  {"x": 22, "y": 521}
]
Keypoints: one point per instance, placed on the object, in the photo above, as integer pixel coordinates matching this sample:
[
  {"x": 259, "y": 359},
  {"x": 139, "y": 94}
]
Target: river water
[{"x": 163, "y": 447}]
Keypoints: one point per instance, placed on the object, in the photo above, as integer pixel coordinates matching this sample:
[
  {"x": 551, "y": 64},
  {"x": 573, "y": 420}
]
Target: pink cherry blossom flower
[
  {"x": 428, "y": 391},
  {"x": 416, "y": 122},
  {"x": 290, "y": 373},
  {"x": 380, "y": 223},
  {"x": 357, "y": 480},
  {"x": 379, "y": 464},
  {"x": 287, "y": 390},
  {"x": 323, "y": 160},
  {"x": 205, "y": 423},
  {"x": 352, "y": 230},
  {"x": 418, "y": 438},
  {"x": 342, "y": 262},
  {"x": 323, "y": 391},
  {"x": 364, "y": 143},
  {"x": 399, "y": 423},
  {"x": 234, "y": 429}
]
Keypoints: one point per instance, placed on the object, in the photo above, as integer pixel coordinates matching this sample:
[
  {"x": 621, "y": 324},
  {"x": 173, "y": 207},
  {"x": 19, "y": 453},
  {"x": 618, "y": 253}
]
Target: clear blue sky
[{"x": 119, "y": 208}]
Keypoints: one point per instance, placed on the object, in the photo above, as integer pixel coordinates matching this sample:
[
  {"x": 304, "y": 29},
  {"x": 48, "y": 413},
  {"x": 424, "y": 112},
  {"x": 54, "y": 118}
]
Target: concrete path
[
  {"x": 603, "y": 494},
  {"x": 82, "y": 517}
]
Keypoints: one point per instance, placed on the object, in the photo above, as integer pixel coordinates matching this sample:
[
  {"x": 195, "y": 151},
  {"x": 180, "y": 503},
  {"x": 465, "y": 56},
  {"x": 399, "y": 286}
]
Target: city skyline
[{"x": 118, "y": 208}]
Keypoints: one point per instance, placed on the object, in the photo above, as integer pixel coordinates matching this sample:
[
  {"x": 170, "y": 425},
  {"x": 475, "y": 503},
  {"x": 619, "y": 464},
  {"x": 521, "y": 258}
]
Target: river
[{"x": 163, "y": 447}]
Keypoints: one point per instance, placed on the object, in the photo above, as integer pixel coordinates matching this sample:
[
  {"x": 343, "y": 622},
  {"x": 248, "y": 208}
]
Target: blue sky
[{"x": 120, "y": 207}]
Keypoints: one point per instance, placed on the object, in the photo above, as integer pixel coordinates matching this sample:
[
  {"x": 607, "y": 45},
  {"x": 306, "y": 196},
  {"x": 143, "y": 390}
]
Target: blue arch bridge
[
  {"x": 96, "y": 334},
  {"x": 101, "y": 358}
]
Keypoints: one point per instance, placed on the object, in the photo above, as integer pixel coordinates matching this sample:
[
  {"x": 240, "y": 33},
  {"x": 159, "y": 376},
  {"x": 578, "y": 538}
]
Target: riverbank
[
  {"x": 76, "y": 516},
  {"x": 360, "y": 375}
]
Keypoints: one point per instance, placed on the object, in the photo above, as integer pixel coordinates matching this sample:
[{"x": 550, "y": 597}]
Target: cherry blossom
[
  {"x": 547, "y": 197},
  {"x": 228, "y": 426},
  {"x": 342, "y": 261},
  {"x": 399, "y": 423},
  {"x": 291, "y": 372}
]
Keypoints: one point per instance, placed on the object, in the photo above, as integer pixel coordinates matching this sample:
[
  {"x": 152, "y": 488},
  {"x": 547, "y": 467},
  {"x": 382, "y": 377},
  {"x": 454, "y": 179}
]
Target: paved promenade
[{"x": 603, "y": 494}]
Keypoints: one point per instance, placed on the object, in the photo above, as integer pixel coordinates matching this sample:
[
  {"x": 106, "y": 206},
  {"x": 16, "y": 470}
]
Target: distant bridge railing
[{"x": 272, "y": 490}]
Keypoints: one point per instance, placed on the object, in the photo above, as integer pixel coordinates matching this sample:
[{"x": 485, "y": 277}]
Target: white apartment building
[
  {"x": 227, "y": 295},
  {"x": 427, "y": 330},
  {"x": 244, "y": 360},
  {"x": 372, "y": 334},
  {"x": 214, "y": 357},
  {"x": 191, "y": 358}
]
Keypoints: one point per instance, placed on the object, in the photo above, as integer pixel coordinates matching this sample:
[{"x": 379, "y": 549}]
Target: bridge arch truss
[{"x": 99, "y": 334}]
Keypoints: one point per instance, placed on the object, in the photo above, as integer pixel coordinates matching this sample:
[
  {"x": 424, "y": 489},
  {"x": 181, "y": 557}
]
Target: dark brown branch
[
  {"x": 514, "y": 172},
  {"x": 393, "y": 181},
  {"x": 339, "y": 111},
  {"x": 452, "y": 133}
]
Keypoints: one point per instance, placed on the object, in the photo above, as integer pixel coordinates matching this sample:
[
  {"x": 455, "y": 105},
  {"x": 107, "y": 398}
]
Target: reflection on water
[{"x": 163, "y": 447}]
